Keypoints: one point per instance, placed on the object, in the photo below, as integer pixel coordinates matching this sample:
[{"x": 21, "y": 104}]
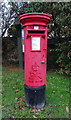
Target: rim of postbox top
[{"x": 35, "y": 15}]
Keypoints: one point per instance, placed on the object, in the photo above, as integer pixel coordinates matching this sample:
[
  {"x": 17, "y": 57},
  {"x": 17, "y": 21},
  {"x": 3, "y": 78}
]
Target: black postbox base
[{"x": 35, "y": 96}]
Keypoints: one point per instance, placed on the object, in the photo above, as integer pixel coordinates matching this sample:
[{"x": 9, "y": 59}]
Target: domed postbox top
[{"x": 35, "y": 19}]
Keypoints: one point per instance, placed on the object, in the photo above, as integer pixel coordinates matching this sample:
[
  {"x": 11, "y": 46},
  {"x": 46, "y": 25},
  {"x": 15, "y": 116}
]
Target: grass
[{"x": 13, "y": 104}]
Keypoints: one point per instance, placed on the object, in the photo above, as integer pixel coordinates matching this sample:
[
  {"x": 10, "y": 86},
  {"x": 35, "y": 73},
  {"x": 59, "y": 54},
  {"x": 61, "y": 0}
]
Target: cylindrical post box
[{"x": 35, "y": 54}]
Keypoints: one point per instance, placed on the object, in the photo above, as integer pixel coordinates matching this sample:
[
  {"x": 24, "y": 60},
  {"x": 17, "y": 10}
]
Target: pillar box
[{"x": 35, "y": 54}]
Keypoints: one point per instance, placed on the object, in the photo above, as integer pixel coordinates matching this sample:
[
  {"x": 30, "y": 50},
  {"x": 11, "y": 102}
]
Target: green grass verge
[{"x": 13, "y": 104}]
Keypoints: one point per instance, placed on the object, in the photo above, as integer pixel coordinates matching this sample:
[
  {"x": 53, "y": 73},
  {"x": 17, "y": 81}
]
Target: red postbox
[{"x": 35, "y": 54}]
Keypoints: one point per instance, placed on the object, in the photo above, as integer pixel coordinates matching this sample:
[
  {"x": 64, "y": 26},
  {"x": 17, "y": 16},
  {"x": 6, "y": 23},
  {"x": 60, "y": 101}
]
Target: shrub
[{"x": 64, "y": 59}]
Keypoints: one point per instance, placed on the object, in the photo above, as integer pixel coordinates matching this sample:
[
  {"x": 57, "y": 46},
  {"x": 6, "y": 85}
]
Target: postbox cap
[{"x": 35, "y": 18}]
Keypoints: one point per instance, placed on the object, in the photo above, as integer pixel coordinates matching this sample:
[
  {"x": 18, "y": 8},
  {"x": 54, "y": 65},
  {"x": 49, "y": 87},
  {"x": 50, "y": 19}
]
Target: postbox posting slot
[{"x": 35, "y": 32}]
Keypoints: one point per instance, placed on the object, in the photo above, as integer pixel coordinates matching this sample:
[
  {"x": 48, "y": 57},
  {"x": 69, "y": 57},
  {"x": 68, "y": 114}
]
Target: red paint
[{"x": 35, "y": 60}]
